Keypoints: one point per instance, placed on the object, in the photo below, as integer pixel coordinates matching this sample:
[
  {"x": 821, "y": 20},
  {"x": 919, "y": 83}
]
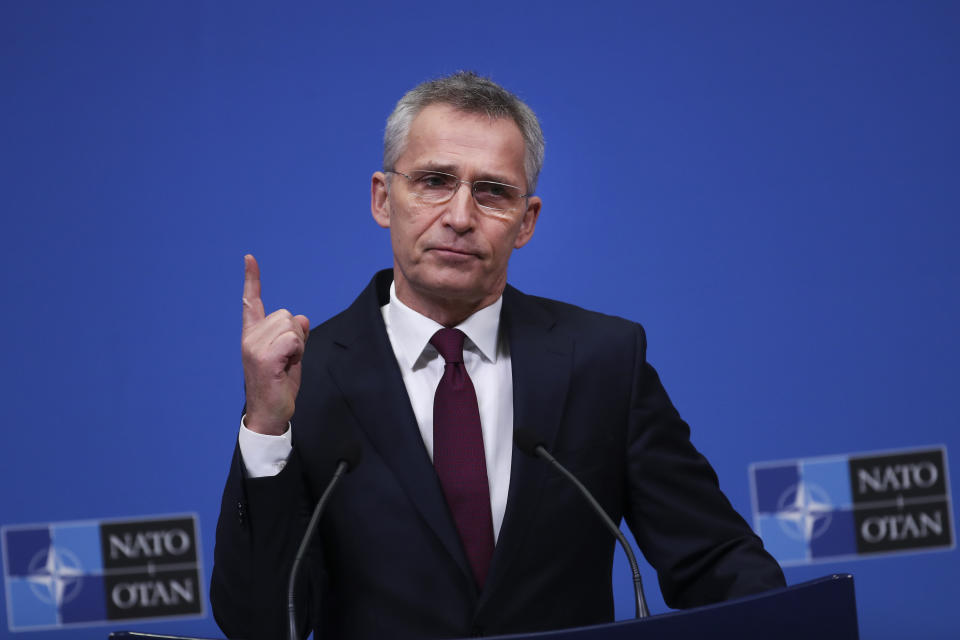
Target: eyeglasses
[{"x": 436, "y": 187}]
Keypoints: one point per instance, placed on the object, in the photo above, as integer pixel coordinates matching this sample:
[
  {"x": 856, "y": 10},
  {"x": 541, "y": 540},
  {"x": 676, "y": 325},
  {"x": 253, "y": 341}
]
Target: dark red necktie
[{"x": 458, "y": 453}]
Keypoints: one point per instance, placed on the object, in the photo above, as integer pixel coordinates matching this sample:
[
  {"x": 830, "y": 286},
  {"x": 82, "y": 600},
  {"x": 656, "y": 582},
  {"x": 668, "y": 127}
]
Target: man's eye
[
  {"x": 433, "y": 181},
  {"x": 493, "y": 190}
]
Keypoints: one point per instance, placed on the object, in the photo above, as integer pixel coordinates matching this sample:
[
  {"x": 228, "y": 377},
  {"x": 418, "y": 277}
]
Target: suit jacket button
[{"x": 241, "y": 514}]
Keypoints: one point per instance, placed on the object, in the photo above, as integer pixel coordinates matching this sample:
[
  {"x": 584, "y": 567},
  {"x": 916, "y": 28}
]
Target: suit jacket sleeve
[
  {"x": 702, "y": 549},
  {"x": 259, "y": 529}
]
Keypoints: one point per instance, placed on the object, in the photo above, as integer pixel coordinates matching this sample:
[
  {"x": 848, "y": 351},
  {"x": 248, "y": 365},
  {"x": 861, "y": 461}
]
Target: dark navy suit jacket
[{"x": 388, "y": 562}]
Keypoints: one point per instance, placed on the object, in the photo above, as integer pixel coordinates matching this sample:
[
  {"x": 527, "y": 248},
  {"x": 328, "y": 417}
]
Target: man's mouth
[{"x": 454, "y": 252}]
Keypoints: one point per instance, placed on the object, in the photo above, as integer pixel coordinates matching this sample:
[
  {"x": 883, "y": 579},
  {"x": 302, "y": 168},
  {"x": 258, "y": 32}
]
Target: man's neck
[{"x": 446, "y": 311}]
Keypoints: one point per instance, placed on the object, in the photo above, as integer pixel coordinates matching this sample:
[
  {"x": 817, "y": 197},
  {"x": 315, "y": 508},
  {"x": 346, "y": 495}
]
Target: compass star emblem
[
  {"x": 55, "y": 575},
  {"x": 804, "y": 511}
]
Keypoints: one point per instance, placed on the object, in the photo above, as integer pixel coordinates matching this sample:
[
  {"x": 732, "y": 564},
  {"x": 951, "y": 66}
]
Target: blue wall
[{"x": 769, "y": 187}]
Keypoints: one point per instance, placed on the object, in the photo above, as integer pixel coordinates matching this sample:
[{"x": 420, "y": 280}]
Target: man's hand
[{"x": 272, "y": 348}]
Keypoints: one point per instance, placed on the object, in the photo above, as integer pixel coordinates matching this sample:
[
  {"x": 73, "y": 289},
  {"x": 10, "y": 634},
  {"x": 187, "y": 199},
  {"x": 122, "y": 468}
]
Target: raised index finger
[{"x": 252, "y": 304}]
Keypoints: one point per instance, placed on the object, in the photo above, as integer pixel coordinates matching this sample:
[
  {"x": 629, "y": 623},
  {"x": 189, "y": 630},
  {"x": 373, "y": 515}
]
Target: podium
[{"x": 824, "y": 609}]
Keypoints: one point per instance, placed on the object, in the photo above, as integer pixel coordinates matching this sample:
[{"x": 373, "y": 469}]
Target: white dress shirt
[{"x": 486, "y": 356}]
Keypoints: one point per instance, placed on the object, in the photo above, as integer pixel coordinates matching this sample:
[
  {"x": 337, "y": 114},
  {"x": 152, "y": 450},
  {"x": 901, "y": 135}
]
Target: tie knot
[{"x": 449, "y": 342}]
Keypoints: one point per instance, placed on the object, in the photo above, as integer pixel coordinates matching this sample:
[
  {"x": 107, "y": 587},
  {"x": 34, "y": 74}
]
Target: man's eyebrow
[
  {"x": 493, "y": 177},
  {"x": 436, "y": 166}
]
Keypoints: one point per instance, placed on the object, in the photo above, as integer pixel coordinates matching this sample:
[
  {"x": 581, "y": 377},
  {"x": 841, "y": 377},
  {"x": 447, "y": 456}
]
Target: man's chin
[
  {"x": 455, "y": 285},
  {"x": 453, "y": 289},
  {"x": 447, "y": 295}
]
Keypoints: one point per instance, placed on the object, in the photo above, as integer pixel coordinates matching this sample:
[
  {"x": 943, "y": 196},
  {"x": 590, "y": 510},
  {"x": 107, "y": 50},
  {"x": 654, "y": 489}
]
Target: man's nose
[{"x": 460, "y": 210}]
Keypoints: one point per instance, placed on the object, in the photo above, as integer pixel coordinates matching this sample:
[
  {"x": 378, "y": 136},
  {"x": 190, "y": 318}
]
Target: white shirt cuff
[{"x": 264, "y": 455}]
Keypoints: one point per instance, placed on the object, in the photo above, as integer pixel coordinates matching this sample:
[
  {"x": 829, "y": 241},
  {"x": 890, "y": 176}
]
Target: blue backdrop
[{"x": 769, "y": 187}]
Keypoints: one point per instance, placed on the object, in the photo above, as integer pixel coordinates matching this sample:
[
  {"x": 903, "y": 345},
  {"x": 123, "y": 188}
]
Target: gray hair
[{"x": 466, "y": 91}]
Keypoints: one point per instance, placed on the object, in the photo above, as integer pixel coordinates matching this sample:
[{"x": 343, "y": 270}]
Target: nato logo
[
  {"x": 849, "y": 506},
  {"x": 63, "y": 574}
]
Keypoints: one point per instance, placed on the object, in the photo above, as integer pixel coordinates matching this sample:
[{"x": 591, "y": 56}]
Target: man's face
[{"x": 451, "y": 258}]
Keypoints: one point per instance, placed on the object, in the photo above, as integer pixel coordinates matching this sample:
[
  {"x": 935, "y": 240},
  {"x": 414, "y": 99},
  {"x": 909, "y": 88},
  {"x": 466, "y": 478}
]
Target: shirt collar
[{"x": 413, "y": 330}]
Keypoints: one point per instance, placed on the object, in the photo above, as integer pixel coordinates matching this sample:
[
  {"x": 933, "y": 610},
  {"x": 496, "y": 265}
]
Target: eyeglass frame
[{"x": 467, "y": 182}]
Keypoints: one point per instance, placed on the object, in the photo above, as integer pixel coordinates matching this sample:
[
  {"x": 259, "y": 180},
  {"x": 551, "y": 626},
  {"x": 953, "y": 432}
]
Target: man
[{"x": 445, "y": 529}]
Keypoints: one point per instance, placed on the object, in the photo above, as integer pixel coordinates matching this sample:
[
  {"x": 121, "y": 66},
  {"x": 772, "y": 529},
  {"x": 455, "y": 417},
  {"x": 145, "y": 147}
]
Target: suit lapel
[
  {"x": 541, "y": 357},
  {"x": 366, "y": 370}
]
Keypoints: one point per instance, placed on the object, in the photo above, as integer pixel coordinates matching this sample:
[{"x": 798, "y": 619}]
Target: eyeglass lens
[{"x": 434, "y": 186}]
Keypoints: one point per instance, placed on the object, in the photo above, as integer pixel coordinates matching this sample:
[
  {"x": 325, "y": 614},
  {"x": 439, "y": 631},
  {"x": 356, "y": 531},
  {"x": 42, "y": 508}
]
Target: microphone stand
[
  {"x": 640, "y": 603},
  {"x": 342, "y": 467}
]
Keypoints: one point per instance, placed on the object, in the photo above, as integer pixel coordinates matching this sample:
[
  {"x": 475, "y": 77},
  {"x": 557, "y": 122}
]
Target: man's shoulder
[{"x": 568, "y": 316}]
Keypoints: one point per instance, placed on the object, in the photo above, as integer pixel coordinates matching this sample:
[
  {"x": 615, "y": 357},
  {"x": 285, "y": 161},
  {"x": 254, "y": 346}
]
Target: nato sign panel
[
  {"x": 854, "y": 505},
  {"x": 63, "y": 574}
]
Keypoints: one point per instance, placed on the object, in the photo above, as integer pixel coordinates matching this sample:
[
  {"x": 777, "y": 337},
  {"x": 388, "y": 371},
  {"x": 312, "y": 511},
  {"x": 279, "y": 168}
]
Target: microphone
[
  {"x": 527, "y": 442},
  {"x": 347, "y": 460}
]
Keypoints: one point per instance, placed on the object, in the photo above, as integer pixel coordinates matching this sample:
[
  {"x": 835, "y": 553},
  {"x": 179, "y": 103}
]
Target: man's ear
[
  {"x": 379, "y": 202},
  {"x": 529, "y": 222}
]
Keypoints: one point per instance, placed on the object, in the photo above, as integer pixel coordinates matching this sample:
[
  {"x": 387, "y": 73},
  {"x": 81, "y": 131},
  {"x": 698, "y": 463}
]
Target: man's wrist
[
  {"x": 263, "y": 454},
  {"x": 265, "y": 426}
]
